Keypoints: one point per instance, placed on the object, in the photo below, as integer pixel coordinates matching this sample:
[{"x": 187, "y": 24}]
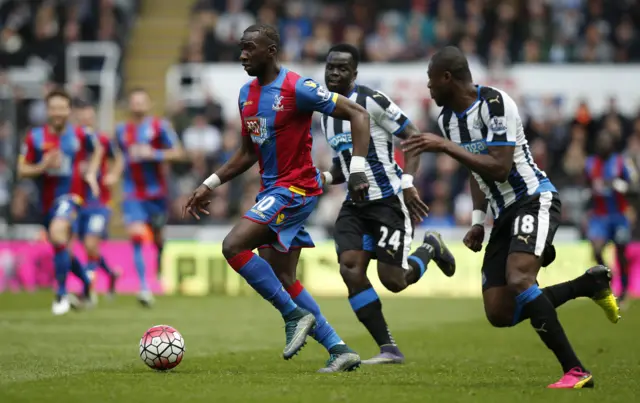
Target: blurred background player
[
  {"x": 381, "y": 227},
  {"x": 276, "y": 110},
  {"x": 65, "y": 159},
  {"x": 147, "y": 143},
  {"x": 93, "y": 221},
  {"x": 611, "y": 176},
  {"x": 482, "y": 129}
]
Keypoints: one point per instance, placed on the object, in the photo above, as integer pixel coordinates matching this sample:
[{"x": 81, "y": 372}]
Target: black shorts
[
  {"x": 527, "y": 226},
  {"x": 382, "y": 227}
]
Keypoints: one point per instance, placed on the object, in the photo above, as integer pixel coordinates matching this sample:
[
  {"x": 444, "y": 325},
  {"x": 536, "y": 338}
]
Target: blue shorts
[
  {"x": 65, "y": 208},
  {"x": 285, "y": 212},
  {"x": 614, "y": 227},
  {"x": 93, "y": 220},
  {"x": 152, "y": 212}
]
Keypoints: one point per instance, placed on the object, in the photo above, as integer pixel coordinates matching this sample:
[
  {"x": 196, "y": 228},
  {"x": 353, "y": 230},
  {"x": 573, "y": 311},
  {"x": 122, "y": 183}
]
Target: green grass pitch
[{"x": 234, "y": 348}]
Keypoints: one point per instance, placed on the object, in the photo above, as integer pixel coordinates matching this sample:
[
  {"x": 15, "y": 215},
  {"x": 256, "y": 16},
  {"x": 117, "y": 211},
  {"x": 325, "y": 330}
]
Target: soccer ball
[{"x": 162, "y": 347}]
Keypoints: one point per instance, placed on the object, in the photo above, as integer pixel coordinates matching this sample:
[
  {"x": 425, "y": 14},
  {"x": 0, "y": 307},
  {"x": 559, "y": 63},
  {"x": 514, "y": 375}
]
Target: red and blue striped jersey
[
  {"x": 75, "y": 145},
  {"x": 145, "y": 180},
  {"x": 600, "y": 170},
  {"x": 277, "y": 116},
  {"x": 109, "y": 154}
]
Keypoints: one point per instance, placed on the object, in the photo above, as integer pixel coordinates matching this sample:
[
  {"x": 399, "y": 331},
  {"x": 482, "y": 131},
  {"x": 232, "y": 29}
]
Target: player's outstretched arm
[
  {"x": 500, "y": 118},
  {"x": 242, "y": 160},
  {"x": 494, "y": 166},
  {"x": 358, "y": 117}
]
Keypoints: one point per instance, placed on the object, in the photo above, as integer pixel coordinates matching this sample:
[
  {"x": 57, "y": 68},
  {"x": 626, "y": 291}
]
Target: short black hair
[
  {"x": 347, "y": 48},
  {"x": 267, "y": 31},
  {"x": 451, "y": 59},
  {"x": 58, "y": 92}
]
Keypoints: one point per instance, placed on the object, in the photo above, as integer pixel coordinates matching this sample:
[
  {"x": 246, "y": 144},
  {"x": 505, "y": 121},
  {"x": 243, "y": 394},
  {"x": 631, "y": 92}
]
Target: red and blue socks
[
  {"x": 261, "y": 278},
  {"x": 324, "y": 332},
  {"x": 138, "y": 260},
  {"x": 62, "y": 265},
  {"x": 96, "y": 262}
]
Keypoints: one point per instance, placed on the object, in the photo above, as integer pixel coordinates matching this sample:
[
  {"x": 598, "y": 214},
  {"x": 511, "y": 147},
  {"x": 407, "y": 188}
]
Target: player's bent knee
[
  {"x": 352, "y": 274},
  {"x": 392, "y": 278},
  {"x": 499, "y": 319},
  {"x": 520, "y": 280},
  {"x": 59, "y": 232},
  {"x": 230, "y": 247},
  {"x": 499, "y": 305}
]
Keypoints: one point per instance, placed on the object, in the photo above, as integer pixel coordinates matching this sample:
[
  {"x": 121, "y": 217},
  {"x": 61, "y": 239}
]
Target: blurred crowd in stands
[
  {"x": 495, "y": 33},
  {"x": 38, "y": 31}
]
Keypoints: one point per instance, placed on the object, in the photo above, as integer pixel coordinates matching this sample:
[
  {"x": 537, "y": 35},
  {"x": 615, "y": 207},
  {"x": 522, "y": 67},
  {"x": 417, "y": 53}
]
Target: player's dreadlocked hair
[
  {"x": 451, "y": 59},
  {"x": 267, "y": 31},
  {"x": 347, "y": 48}
]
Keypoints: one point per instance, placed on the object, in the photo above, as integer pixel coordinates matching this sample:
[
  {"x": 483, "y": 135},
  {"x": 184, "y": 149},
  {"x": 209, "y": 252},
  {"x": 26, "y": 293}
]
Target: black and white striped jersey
[
  {"x": 493, "y": 120},
  {"x": 387, "y": 120}
]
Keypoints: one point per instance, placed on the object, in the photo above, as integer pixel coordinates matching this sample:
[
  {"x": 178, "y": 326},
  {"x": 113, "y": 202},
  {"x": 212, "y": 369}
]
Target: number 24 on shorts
[{"x": 394, "y": 239}]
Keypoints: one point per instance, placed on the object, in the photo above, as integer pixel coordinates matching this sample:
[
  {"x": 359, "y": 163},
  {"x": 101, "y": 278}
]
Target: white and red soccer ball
[{"x": 162, "y": 347}]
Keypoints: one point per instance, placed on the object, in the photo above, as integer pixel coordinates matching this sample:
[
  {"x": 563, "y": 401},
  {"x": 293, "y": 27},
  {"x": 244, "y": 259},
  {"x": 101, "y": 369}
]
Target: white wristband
[
  {"x": 357, "y": 164},
  {"x": 328, "y": 178},
  {"x": 407, "y": 181},
  {"x": 477, "y": 217},
  {"x": 212, "y": 182}
]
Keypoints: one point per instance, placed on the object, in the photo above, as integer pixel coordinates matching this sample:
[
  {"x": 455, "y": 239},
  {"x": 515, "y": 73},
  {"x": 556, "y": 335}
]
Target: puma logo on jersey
[
  {"x": 377, "y": 95},
  {"x": 541, "y": 329},
  {"x": 280, "y": 219},
  {"x": 391, "y": 253},
  {"x": 496, "y": 99},
  {"x": 524, "y": 239}
]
